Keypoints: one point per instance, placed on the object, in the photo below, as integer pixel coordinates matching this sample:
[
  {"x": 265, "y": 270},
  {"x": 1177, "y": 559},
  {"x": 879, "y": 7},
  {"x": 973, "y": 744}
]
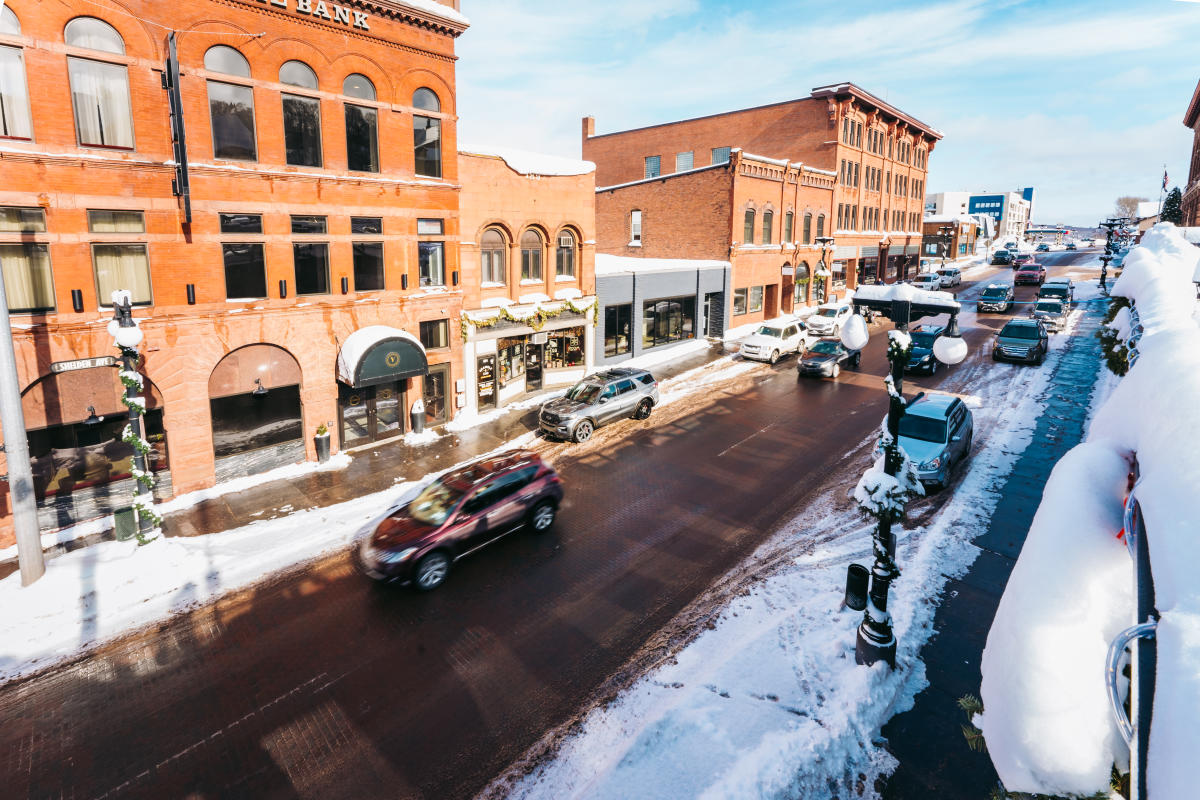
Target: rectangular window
[
  {"x": 366, "y": 225},
  {"x": 492, "y": 265},
  {"x": 739, "y": 301},
  {"x": 748, "y": 228},
  {"x": 671, "y": 320},
  {"x": 302, "y": 130},
  {"x": 28, "y": 282},
  {"x": 100, "y": 94},
  {"x": 121, "y": 266},
  {"x": 312, "y": 267},
  {"x": 241, "y": 223},
  {"x": 427, "y": 146},
  {"x": 510, "y": 354},
  {"x": 618, "y": 325},
  {"x": 245, "y": 270},
  {"x": 368, "y": 266},
  {"x": 635, "y": 227},
  {"x": 435, "y": 334},
  {"x": 683, "y": 161},
  {"x": 653, "y": 166},
  {"x": 768, "y": 225},
  {"x": 564, "y": 348},
  {"x": 431, "y": 263},
  {"x": 788, "y": 219},
  {"x": 720, "y": 155},
  {"x": 14, "y": 219},
  {"x": 756, "y": 299},
  {"x": 807, "y": 229},
  {"x": 856, "y": 175},
  {"x": 838, "y": 273},
  {"x": 231, "y": 111},
  {"x": 362, "y": 139},
  {"x": 246, "y": 422},
  {"x": 564, "y": 256},
  {"x": 430, "y": 227},
  {"x": 116, "y": 222},
  {"x": 531, "y": 263},
  {"x": 308, "y": 224},
  {"x": 15, "y": 122}
]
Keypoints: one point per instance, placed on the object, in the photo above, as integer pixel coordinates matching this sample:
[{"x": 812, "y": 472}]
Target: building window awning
[{"x": 378, "y": 354}]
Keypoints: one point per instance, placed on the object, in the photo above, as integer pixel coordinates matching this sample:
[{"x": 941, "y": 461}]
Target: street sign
[{"x": 83, "y": 363}]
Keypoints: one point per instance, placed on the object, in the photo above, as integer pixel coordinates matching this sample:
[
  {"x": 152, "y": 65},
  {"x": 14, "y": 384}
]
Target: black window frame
[
  {"x": 616, "y": 316},
  {"x": 433, "y": 331},
  {"x": 367, "y": 124},
  {"x": 299, "y": 139}
]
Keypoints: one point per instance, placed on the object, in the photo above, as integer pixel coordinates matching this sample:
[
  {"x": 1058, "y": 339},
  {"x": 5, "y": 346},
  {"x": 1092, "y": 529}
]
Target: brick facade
[
  {"x": 399, "y": 49},
  {"x": 1191, "y": 191},
  {"x": 876, "y": 155}
]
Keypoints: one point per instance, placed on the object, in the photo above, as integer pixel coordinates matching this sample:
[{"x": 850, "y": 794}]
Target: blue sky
[{"x": 1083, "y": 100}]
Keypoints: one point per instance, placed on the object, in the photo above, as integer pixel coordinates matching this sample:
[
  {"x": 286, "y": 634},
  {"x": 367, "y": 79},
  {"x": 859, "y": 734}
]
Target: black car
[
  {"x": 1021, "y": 340},
  {"x": 1056, "y": 291},
  {"x": 920, "y": 358},
  {"x": 997, "y": 297},
  {"x": 825, "y": 358},
  {"x": 1002, "y": 257}
]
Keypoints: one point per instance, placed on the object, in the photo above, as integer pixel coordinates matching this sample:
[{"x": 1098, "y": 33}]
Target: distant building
[
  {"x": 967, "y": 235},
  {"x": 1147, "y": 214},
  {"x": 1010, "y": 211},
  {"x": 1191, "y": 192}
]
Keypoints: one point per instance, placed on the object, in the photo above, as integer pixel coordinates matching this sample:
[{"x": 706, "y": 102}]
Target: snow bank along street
[{"x": 1047, "y": 719}]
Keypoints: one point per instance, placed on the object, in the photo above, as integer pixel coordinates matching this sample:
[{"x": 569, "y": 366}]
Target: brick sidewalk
[{"x": 928, "y": 740}]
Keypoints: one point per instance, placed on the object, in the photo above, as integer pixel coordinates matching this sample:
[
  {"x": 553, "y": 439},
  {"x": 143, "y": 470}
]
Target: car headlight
[
  {"x": 396, "y": 556},
  {"x": 932, "y": 463}
]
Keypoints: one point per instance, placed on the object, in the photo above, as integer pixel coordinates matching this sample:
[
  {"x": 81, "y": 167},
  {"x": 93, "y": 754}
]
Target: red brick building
[
  {"x": 1191, "y": 192},
  {"x": 853, "y": 157},
  {"x": 285, "y": 210}
]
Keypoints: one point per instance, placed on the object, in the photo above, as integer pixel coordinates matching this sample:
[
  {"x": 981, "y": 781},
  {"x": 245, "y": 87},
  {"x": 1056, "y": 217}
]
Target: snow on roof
[
  {"x": 783, "y": 162},
  {"x": 663, "y": 177},
  {"x": 358, "y": 343},
  {"x": 970, "y": 219},
  {"x": 528, "y": 163},
  {"x": 904, "y": 291},
  {"x": 436, "y": 9},
  {"x": 1048, "y": 725},
  {"x": 1149, "y": 209},
  {"x": 607, "y": 264}
]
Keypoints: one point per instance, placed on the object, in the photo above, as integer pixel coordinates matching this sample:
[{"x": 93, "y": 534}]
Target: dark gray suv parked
[{"x": 597, "y": 400}]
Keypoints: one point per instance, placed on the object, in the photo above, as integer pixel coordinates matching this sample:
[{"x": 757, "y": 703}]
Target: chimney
[{"x": 589, "y": 127}]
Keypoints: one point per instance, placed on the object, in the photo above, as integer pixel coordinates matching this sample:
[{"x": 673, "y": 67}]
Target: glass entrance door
[
  {"x": 533, "y": 367},
  {"x": 371, "y": 413},
  {"x": 485, "y": 382}
]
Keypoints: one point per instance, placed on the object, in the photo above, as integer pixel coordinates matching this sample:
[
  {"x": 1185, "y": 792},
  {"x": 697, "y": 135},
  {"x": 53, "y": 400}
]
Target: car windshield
[
  {"x": 922, "y": 428},
  {"x": 923, "y": 339},
  {"x": 1020, "y": 331},
  {"x": 1051, "y": 306},
  {"x": 825, "y": 348},
  {"x": 827, "y": 312},
  {"x": 995, "y": 293},
  {"x": 434, "y": 503},
  {"x": 1054, "y": 291},
  {"x": 767, "y": 330},
  {"x": 584, "y": 392}
]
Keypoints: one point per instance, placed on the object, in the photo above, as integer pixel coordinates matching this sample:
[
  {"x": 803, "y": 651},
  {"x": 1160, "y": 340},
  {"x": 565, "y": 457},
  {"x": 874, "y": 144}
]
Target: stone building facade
[{"x": 1191, "y": 192}]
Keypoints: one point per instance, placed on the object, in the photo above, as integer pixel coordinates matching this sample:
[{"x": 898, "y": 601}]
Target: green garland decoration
[
  {"x": 145, "y": 479},
  {"x": 537, "y": 320}
]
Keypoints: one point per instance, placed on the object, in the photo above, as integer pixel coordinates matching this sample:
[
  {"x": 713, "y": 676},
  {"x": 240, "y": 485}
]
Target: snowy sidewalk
[{"x": 928, "y": 742}]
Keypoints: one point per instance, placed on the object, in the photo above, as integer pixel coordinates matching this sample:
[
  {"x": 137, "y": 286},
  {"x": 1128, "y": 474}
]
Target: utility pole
[{"x": 16, "y": 451}]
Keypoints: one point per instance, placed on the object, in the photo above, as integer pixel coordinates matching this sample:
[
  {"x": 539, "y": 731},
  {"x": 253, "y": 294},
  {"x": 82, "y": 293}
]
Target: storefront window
[
  {"x": 739, "y": 301},
  {"x": 839, "y": 273},
  {"x": 868, "y": 270},
  {"x": 511, "y": 355},
  {"x": 670, "y": 320},
  {"x": 65, "y": 458},
  {"x": 756, "y": 299},
  {"x": 564, "y": 349},
  {"x": 250, "y": 422},
  {"x": 618, "y": 325}
]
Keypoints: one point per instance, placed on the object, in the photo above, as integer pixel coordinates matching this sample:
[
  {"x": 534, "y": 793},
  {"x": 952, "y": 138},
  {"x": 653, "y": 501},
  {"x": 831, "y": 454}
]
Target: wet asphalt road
[{"x": 323, "y": 685}]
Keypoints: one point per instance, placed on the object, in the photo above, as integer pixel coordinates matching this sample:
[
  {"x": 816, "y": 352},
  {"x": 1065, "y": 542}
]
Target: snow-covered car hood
[
  {"x": 919, "y": 451},
  {"x": 562, "y": 406},
  {"x": 761, "y": 340},
  {"x": 819, "y": 322}
]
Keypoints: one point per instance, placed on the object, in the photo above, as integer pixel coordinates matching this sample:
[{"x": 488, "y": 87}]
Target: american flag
[{"x": 1164, "y": 179}]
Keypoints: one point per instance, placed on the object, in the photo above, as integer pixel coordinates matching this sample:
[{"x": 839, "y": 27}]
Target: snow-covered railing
[{"x": 1048, "y": 720}]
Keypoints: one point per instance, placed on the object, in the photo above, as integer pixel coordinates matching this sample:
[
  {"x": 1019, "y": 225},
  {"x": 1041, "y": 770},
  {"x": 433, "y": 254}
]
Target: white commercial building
[{"x": 1010, "y": 211}]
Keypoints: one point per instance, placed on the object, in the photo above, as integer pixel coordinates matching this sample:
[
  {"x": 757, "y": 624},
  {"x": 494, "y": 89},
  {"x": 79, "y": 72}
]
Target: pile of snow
[{"x": 1047, "y": 722}]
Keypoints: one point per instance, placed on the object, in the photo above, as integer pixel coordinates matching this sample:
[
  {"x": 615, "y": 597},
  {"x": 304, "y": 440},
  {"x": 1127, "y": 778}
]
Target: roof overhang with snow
[{"x": 379, "y": 354}]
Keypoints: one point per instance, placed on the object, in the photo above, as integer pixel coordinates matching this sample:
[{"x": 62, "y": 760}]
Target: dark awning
[{"x": 378, "y": 354}]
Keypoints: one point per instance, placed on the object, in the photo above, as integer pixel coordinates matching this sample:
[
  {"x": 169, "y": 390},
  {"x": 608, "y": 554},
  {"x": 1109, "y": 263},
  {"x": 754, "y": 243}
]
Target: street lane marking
[{"x": 748, "y": 438}]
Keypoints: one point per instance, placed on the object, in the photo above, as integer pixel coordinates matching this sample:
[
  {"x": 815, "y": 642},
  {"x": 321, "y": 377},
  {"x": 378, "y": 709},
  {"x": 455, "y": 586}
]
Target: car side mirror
[{"x": 602, "y": 400}]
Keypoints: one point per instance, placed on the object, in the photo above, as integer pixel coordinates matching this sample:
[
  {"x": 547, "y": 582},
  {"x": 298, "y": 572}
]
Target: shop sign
[
  {"x": 83, "y": 363},
  {"x": 328, "y": 11},
  {"x": 789, "y": 270}
]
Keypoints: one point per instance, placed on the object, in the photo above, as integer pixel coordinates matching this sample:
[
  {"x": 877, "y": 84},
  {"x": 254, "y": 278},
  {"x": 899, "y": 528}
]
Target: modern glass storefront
[{"x": 670, "y": 320}]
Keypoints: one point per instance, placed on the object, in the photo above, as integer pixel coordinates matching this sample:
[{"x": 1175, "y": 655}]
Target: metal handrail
[
  {"x": 1116, "y": 649},
  {"x": 1131, "y": 520}
]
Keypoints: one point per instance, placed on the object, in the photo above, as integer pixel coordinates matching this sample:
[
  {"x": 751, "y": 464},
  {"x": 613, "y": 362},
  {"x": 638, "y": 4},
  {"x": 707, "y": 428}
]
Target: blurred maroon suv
[{"x": 460, "y": 512}]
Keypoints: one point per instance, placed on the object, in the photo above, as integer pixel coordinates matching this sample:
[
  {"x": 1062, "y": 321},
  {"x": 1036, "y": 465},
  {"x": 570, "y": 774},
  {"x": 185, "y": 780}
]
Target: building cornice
[
  {"x": 847, "y": 89},
  {"x": 1193, "y": 110}
]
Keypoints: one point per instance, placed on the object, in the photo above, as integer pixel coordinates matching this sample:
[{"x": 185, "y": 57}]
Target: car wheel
[
  {"x": 837, "y": 370},
  {"x": 432, "y": 570},
  {"x": 542, "y": 516},
  {"x": 933, "y": 365},
  {"x": 643, "y": 409},
  {"x": 774, "y": 356},
  {"x": 1041, "y": 357},
  {"x": 583, "y": 431},
  {"x": 858, "y": 359},
  {"x": 836, "y": 329}
]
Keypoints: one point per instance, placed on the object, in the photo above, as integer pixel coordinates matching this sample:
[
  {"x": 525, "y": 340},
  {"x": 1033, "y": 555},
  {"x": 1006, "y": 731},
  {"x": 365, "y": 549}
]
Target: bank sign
[{"x": 329, "y": 11}]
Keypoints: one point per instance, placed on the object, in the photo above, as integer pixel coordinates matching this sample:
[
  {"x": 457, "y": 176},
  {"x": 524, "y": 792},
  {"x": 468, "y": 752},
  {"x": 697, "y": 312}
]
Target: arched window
[
  {"x": 748, "y": 231},
  {"x": 99, "y": 89},
  {"x": 492, "y": 256},
  {"x": 788, "y": 219},
  {"x": 427, "y": 135},
  {"x": 426, "y": 100},
  {"x": 224, "y": 59},
  {"x": 15, "y": 120},
  {"x": 564, "y": 260},
  {"x": 359, "y": 86},
  {"x": 768, "y": 225},
  {"x": 362, "y": 126},
  {"x": 807, "y": 229},
  {"x": 531, "y": 256},
  {"x": 800, "y": 285},
  {"x": 820, "y": 225},
  {"x": 230, "y": 105},
  {"x": 301, "y": 116}
]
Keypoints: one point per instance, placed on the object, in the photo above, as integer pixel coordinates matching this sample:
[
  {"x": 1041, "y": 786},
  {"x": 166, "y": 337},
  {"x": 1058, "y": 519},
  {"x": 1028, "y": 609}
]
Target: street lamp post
[
  {"x": 826, "y": 243},
  {"x": 127, "y": 336},
  {"x": 945, "y": 231},
  {"x": 886, "y": 496}
]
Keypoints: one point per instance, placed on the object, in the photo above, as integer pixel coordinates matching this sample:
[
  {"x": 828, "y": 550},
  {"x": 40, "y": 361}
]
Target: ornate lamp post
[
  {"x": 945, "y": 231},
  {"x": 826, "y": 243},
  {"x": 883, "y": 493},
  {"x": 127, "y": 336}
]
